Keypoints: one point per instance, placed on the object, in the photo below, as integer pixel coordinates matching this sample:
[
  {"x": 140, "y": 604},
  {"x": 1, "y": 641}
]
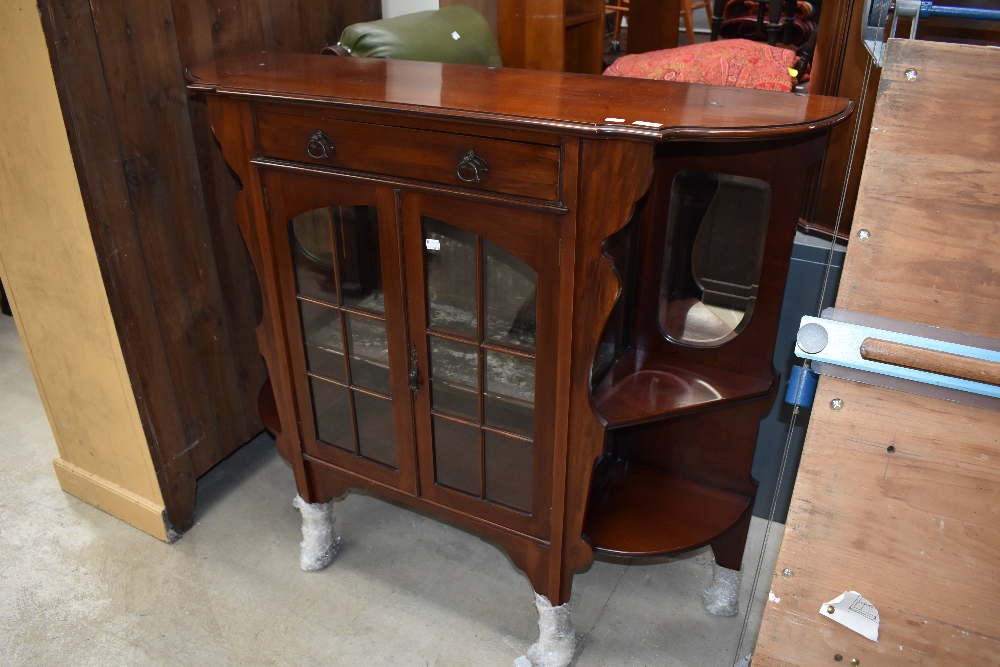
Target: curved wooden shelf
[
  {"x": 640, "y": 389},
  {"x": 641, "y": 511}
]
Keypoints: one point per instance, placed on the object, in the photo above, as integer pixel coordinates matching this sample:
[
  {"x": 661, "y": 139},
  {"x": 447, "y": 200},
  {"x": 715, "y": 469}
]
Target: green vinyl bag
[{"x": 455, "y": 34}]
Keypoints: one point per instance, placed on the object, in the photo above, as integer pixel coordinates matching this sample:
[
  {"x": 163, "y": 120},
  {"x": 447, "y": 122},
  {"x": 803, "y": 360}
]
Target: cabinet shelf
[
  {"x": 641, "y": 388},
  {"x": 641, "y": 511}
]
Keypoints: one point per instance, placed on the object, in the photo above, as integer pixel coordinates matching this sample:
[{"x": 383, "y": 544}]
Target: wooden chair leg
[
  {"x": 688, "y": 15},
  {"x": 774, "y": 22}
]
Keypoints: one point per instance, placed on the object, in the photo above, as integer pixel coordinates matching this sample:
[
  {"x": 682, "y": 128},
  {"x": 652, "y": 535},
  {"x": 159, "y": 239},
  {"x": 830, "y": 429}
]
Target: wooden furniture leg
[
  {"x": 718, "y": 7},
  {"x": 789, "y": 21},
  {"x": 728, "y": 548},
  {"x": 687, "y": 14},
  {"x": 722, "y": 597},
  {"x": 619, "y": 9},
  {"x": 773, "y": 22},
  {"x": 320, "y": 543},
  {"x": 556, "y": 643}
]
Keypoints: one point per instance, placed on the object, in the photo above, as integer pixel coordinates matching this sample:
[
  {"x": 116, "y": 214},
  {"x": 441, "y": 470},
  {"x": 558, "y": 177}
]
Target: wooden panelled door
[
  {"x": 437, "y": 391},
  {"x": 336, "y": 248},
  {"x": 482, "y": 288}
]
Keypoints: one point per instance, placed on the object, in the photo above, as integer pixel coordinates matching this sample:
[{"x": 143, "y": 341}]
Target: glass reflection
[
  {"x": 369, "y": 352},
  {"x": 376, "y": 432},
  {"x": 324, "y": 344},
  {"x": 454, "y": 378},
  {"x": 508, "y": 471},
  {"x": 456, "y": 455},
  {"x": 510, "y": 393},
  {"x": 333, "y": 414},
  {"x": 511, "y": 286},
  {"x": 713, "y": 254},
  {"x": 311, "y": 240},
  {"x": 450, "y": 270},
  {"x": 359, "y": 258}
]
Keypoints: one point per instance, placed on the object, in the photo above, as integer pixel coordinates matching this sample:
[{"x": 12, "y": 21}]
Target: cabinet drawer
[{"x": 509, "y": 167}]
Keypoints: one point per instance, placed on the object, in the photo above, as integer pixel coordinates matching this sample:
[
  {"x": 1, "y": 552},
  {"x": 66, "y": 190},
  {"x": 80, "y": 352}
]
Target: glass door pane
[
  {"x": 481, "y": 328},
  {"x": 338, "y": 277}
]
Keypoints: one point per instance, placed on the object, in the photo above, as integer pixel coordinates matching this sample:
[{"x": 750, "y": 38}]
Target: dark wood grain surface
[
  {"x": 515, "y": 168},
  {"x": 160, "y": 203},
  {"x": 641, "y": 388},
  {"x": 577, "y": 103},
  {"x": 690, "y": 441},
  {"x": 675, "y": 514}
]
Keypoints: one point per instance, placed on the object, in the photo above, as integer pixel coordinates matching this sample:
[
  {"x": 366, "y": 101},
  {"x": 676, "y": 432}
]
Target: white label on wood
[{"x": 854, "y": 612}]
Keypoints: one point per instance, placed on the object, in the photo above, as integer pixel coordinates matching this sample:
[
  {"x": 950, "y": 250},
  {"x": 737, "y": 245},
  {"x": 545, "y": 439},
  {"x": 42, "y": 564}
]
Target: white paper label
[
  {"x": 432, "y": 244},
  {"x": 854, "y": 612}
]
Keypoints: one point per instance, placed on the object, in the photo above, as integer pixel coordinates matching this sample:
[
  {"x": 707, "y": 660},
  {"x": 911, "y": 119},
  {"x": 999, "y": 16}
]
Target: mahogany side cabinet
[{"x": 539, "y": 305}]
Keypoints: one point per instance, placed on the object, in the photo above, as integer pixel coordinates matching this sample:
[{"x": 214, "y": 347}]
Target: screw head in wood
[
  {"x": 836, "y": 404},
  {"x": 838, "y": 657},
  {"x": 787, "y": 572},
  {"x": 911, "y": 74},
  {"x": 864, "y": 234}
]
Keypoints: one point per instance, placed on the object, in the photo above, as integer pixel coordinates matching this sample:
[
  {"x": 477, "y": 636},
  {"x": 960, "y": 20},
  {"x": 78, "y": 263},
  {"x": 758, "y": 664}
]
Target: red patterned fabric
[{"x": 739, "y": 63}]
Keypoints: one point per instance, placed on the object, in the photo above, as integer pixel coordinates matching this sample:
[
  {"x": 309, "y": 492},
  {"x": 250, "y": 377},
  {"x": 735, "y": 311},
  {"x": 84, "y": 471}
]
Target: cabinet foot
[
  {"x": 722, "y": 597},
  {"x": 556, "y": 643},
  {"x": 320, "y": 544}
]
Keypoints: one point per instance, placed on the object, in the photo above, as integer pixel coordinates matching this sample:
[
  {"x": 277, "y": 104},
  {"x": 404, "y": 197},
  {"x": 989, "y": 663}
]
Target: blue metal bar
[{"x": 928, "y": 9}]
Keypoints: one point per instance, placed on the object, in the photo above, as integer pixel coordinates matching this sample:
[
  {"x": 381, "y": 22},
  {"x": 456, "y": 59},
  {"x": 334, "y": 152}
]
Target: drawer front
[{"x": 508, "y": 167}]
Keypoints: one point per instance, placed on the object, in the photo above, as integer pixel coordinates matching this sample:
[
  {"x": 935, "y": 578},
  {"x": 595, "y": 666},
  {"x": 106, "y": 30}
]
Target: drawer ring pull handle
[
  {"x": 319, "y": 146},
  {"x": 470, "y": 167}
]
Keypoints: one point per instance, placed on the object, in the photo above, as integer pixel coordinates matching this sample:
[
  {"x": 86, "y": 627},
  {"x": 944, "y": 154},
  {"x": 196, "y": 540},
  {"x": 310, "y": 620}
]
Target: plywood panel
[
  {"x": 896, "y": 494},
  {"x": 50, "y": 267},
  {"x": 929, "y": 192}
]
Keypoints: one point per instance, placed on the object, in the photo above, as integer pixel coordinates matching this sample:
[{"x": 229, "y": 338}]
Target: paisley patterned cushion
[{"x": 733, "y": 62}]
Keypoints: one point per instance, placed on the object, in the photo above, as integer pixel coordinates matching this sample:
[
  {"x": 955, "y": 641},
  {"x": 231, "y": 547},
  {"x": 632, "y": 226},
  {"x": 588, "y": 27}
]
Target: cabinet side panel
[{"x": 601, "y": 211}]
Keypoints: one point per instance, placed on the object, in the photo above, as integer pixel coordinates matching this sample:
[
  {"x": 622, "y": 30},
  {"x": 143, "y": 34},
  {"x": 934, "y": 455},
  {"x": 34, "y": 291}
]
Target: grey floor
[{"x": 78, "y": 587}]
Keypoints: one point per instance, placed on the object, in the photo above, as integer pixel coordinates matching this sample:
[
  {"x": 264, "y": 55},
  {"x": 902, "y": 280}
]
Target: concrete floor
[{"x": 78, "y": 587}]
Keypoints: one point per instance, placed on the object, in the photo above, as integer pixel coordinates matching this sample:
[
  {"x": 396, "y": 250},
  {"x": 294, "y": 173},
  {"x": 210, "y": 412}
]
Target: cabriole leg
[
  {"x": 320, "y": 544},
  {"x": 556, "y": 643},
  {"x": 722, "y": 597}
]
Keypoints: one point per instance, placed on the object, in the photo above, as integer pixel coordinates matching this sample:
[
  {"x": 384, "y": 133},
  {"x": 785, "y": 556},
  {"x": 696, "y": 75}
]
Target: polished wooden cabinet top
[{"x": 568, "y": 103}]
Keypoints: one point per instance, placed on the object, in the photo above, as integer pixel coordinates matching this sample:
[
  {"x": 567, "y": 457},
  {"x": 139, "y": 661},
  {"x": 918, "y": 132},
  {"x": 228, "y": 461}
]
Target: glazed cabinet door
[
  {"x": 336, "y": 247},
  {"x": 482, "y": 287}
]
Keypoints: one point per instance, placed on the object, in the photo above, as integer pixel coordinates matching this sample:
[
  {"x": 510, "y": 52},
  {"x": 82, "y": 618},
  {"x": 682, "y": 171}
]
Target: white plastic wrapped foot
[
  {"x": 320, "y": 544},
  {"x": 722, "y": 597},
  {"x": 556, "y": 638}
]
